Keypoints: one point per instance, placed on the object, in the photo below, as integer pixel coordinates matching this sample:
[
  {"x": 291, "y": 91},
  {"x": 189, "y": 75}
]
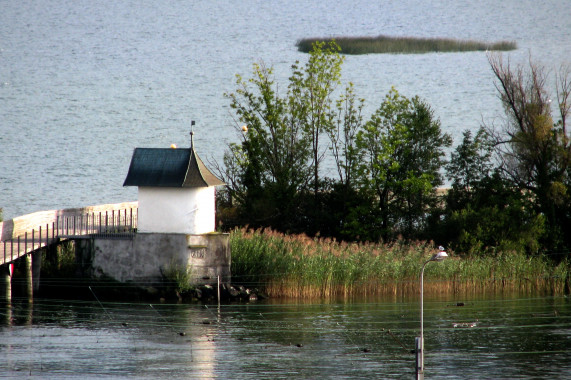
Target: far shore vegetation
[
  {"x": 405, "y": 45},
  {"x": 367, "y": 226}
]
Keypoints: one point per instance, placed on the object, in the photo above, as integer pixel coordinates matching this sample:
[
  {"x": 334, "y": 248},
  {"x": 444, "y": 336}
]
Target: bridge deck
[
  {"x": 13, "y": 249},
  {"x": 28, "y": 233}
]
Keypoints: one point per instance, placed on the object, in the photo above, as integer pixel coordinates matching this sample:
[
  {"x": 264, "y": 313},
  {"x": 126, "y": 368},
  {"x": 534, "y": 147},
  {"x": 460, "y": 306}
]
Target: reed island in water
[{"x": 405, "y": 45}]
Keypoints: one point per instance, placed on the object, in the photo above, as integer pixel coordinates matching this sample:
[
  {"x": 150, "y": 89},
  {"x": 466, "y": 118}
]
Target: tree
[
  {"x": 310, "y": 101},
  {"x": 471, "y": 161},
  {"x": 534, "y": 147},
  {"x": 269, "y": 167},
  {"x": 484, "y": 213},
  {"x": 269, "y": 172},
  {"x": 469, "y": 164},
  {"x": 343, "y": 136},
  {"x": 403, "y": 147}
]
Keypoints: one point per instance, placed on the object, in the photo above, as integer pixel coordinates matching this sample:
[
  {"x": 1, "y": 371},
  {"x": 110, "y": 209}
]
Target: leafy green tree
[
  {"x": 266, "y": 171},
  {"x": 484, "y": 213},
  {"x": 534, "y": 145},
  {"x": 403, "y": 148},
  {"x": 269, "y": 173},
  {"x": 340, "y": 200},
  {"x": 496, "y": 219},
  {"x": 471, "y": 161},
  {"x": 469, "y": 164},
  {"x": 310, "y": 98},
  {"x": 343, "y": 136}
]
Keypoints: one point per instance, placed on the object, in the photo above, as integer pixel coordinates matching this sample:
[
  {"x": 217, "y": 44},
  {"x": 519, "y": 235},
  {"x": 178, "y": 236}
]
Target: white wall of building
[{"x": 177, "y": 210}]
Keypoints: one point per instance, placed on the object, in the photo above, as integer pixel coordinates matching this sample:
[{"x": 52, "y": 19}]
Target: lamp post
[{"x": 419, "y": 342}]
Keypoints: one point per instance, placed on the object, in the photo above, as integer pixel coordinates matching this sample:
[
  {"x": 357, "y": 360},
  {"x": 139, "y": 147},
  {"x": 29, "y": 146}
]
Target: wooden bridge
[{"x": 25, "y": 234}]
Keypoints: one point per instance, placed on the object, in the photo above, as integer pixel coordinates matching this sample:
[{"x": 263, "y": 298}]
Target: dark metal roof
[{"x": 159, "y": 167}]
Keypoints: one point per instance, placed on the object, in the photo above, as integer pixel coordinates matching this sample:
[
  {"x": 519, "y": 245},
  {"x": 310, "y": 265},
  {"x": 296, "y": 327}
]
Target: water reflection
[{"x": 514, "y": 337}]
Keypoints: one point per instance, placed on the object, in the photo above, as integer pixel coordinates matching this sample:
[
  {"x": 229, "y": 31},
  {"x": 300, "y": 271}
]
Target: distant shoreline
[{"x": 405, "y": 45}]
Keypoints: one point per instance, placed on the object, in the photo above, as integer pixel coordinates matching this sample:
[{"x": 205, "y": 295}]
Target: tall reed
[
  {"x": 405, "y": 45},
  {"x": 302, "y": 267}
]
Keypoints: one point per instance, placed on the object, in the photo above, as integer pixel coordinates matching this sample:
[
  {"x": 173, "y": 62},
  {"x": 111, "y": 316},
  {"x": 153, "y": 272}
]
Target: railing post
[{"x": 28, "y": 277}]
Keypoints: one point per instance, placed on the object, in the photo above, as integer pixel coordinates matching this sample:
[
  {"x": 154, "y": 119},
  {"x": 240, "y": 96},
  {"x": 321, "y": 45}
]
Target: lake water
[
  {"x": 515, "y": 337},
  {"x": 82, "y": 83}
]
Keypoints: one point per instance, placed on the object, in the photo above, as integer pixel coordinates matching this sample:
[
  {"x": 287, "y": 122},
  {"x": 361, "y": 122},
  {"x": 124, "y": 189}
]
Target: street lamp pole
[{"x": 419, "y": 342}]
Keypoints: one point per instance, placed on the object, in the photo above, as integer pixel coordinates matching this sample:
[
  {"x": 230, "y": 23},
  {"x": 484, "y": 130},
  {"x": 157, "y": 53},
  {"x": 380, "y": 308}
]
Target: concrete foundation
[
  {"x": 147, "y": 257},
  {"x": 36, "y": 257},
  {"x": 28, "y": 284}
]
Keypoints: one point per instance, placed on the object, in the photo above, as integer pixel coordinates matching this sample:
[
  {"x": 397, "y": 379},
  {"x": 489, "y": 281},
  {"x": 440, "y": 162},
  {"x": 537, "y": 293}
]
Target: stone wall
[{"x": 146, "y": 257}]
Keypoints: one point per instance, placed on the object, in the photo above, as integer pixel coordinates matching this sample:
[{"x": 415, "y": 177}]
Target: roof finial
[{"x": 191, "y": 134}]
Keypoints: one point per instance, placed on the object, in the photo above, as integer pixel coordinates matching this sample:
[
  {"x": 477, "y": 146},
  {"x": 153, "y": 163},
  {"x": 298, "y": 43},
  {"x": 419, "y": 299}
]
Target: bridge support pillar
[
  {"x": 36, "y": 267},
  {"x": 6, "y": 283},
  {"x": 27, "y": 273}
]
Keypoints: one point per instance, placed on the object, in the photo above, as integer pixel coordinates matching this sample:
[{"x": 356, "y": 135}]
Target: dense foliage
[{"x": 510, "y": 184}]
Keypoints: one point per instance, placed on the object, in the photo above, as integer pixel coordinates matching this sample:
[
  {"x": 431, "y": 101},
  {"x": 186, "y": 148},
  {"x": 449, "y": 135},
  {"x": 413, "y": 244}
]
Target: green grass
[
  {"x": 178, "y": 277},
  {"x": 301, "y": 267},
  {"x": 405, "y": 45}
]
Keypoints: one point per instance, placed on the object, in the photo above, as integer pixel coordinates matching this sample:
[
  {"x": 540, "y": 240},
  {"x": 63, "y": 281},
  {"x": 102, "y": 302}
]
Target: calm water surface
[
  {"x": 82, "y": 83},
  {"x": 522, "y": 337}
]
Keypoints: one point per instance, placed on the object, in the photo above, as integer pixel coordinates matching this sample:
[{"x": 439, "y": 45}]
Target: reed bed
[
  {"x": 296, "y": 266},
  {"x": 405, "y": 45}
]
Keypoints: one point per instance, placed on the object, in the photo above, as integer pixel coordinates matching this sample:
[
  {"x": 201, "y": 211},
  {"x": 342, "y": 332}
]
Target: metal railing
[{"x": 114, "y": 224}]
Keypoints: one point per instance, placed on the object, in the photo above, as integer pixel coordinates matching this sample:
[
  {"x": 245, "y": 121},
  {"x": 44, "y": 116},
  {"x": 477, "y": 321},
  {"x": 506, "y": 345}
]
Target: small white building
[
  {"x": 176, "y": 191},
  {"x": 176, "y": 224}
]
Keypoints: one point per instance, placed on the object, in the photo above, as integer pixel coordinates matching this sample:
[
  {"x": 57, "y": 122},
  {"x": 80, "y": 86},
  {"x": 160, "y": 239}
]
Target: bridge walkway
[{"x": 25, "y": 234}]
